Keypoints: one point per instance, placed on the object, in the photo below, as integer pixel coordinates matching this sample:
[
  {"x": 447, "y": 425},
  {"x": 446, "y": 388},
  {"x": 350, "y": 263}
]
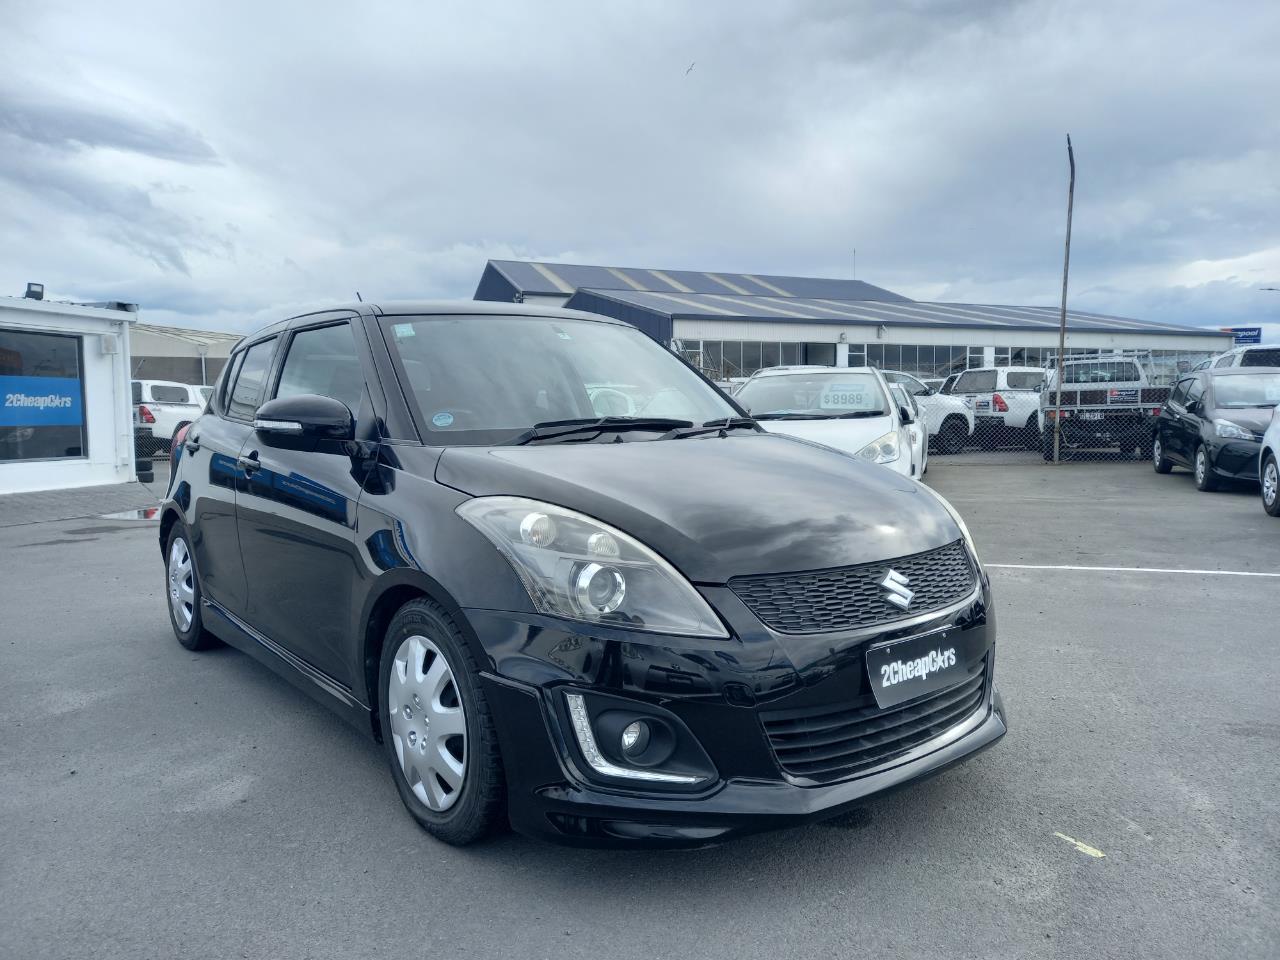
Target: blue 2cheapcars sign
[{"x": 40, "y": 402}]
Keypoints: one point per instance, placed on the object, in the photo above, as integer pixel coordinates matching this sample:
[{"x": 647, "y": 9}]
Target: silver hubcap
[
  {"x": 428, "y": 723},
  {"x": 1270, "y": 483},
  {"x": 182, "y": 584},
  {"x": 1156, "y": 451},
  {"x": 1201, "y": 465}
]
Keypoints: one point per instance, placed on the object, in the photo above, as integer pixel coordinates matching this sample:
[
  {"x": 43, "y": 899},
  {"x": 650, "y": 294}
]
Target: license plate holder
[
  {"x": 912, "y": 667},
  {"x": 1091, "y": 415}
]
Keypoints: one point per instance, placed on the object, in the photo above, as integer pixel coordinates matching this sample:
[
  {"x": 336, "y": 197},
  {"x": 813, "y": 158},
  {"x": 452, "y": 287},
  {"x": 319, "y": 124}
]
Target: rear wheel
[
  {"x": 437, "y": 728},
  {"x": 1159, "y": 461},
  {"x": 1033, "y": 432},
  {"x": 1205, "y": 479},
  {"x": 1271, "y": 486},
  {"x": 182, "y": 587}
]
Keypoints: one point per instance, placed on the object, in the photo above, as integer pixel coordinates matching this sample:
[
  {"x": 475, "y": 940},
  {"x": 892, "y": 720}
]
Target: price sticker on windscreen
[{"x": 844, "y": 396}]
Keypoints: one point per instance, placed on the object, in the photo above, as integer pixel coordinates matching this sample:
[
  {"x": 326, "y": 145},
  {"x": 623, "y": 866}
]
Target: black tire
[
  {"x": 1205, "y": 480},
  {"x": 953, "y": 435},
  {"x": 1032, "y": 432},
  {"x": 1271, "y": 473},
  {"x": 480, "y": 807},
  {"x": 1159, "y": 461},
  {"x": 193, "y": 636}
]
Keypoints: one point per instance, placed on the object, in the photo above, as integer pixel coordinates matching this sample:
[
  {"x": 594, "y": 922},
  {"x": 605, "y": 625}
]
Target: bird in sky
[{"x": 690, "y": 70}]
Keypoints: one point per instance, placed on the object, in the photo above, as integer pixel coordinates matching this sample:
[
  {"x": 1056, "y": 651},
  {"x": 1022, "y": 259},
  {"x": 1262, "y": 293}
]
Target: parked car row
[{"x": 1222, "y": 424}]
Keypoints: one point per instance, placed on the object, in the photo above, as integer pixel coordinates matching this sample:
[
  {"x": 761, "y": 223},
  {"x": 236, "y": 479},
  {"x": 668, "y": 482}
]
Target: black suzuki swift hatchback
[{"x": 566, "y": 582}]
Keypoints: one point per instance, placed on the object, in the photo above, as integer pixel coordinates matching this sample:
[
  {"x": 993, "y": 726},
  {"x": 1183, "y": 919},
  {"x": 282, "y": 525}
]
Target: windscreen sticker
[
  {"x": 443, "y": 419},
  {"x": 844, "y": 396},
  {"x": 403, "y": 330}
]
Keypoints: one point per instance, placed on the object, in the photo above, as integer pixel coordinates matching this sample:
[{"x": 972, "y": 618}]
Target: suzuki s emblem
[{"x": 895, "y": 589}]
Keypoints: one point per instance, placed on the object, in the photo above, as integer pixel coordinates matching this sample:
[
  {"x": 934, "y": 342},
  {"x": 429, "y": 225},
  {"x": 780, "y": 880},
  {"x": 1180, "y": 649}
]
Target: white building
[
  {"x": 731, "y": 324},
  {"x": 65, "y": 414}
]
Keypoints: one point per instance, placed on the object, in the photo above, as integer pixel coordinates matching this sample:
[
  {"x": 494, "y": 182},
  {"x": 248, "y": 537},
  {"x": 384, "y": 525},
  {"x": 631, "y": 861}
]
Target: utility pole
[{"x": 1062, "y": 313}]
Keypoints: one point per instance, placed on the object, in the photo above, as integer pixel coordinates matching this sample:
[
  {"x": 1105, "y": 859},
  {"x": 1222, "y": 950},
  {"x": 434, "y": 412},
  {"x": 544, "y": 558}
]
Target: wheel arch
[{"x": 393, "y": 591}]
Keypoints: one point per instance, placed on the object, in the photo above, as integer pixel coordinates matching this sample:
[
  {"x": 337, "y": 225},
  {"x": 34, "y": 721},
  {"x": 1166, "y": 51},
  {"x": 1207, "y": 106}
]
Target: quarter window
[
  {"x": 246, "y": 390},
  {"x": 323, "y": 361}
]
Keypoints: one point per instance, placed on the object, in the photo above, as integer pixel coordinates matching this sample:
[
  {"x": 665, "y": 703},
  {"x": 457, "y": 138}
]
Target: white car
[
  {"x": 848, "y": 408},
  {"x": 1251, "y": 355},
  {"x": 1269, "y": 466},
  {"x": 917, "y": 428},
  {"x": 1005, "y": 404},
  {"x": 160, "y": 407},
  {"x": 950, "y": 419}
]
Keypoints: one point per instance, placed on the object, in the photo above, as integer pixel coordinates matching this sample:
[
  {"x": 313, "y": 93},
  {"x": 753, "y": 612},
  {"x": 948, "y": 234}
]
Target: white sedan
[{"x": 849, "y": 408}]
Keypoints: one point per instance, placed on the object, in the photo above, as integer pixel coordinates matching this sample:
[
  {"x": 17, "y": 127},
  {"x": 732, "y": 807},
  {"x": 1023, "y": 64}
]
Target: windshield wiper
[
  {"x": 564, "y": 429},
  {"x": 722, "y": 425},
  {"x": 791, "y": 416},
  {"x": 856, "y": 414}
]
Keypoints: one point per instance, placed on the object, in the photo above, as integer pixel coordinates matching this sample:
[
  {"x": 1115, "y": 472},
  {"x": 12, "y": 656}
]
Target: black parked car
[
  {"x": 1213, "y": 423},
  {"x": 658, "y": 625}
]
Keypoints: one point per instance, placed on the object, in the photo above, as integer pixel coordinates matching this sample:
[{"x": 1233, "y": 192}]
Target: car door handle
[
  {"x": 192, "y": 444},
  {"x": 248, "y": 464}
]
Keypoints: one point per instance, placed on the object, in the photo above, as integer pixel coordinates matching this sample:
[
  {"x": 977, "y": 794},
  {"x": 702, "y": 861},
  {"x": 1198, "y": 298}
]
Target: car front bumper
[
  {"x": 722, "y": 700},
  {"x": 1235, "y": 459}
]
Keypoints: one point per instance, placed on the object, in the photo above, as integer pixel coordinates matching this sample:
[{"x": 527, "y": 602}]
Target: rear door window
[
  {"x": 163, "y": 393},
  {"x": 1023, "y": 380},
  {"x": 323, "y": 361},
  {"x": 136, "y": 389},
  {"x": 976, "y": 381},
  {"x": 246, "y": 390},
  {"x": 1179, "y": 394}
]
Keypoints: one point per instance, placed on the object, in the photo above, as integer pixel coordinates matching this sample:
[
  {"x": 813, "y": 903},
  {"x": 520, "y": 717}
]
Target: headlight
[
  {"x": 955, "y": 515},
  {"x": 579, "y": 568},
  {"x": 882, "y": 449},
  {"x": 1232, "y": 431}
]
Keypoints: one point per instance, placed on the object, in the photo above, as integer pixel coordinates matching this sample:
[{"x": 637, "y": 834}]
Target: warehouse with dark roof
[{"x": 732, "y": 324}]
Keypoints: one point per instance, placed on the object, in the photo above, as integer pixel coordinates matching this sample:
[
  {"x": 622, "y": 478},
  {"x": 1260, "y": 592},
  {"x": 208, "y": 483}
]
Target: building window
[
  {"x": 975, "y": 357},
  {"x": 857, "y": 354},
  {"x": 790, "y": 354},
  {"x": 41, "y": 396},
  {"x": 823, "y": 354}
]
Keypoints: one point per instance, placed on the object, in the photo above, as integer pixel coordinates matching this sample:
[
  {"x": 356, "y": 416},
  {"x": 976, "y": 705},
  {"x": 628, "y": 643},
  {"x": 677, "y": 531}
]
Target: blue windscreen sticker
[{"x": 443, "y": 419}]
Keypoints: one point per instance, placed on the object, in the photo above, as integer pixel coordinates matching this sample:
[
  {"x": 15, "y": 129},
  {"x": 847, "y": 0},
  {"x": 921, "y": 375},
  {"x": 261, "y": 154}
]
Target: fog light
[
  {"x": 635, "y": 738},
  {"x": 581, "y": 722}
]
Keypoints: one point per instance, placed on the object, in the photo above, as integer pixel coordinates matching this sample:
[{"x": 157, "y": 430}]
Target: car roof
[
  {"x": 1213, "y": 372},
  {"x": 164, "y": 383},
  {"x": 452, "y": 308}
]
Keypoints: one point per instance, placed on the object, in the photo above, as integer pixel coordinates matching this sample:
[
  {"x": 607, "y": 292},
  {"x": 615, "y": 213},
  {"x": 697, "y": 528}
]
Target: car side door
[
  {"x": 1190, "y": 419},
  {"x": 1167, "y": 422},
  {"x": 297, "y": 513},
  {"x": 210, "y": 452}
]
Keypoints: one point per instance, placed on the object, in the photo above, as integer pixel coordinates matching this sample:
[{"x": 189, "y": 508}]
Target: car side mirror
[
  {"x": 925, "y": 392},
  {"x": 904, "y": 413},
  {"x": 305, "y": 416}
]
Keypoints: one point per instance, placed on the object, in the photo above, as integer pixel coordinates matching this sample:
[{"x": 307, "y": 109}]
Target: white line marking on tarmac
[
  {"x": 1082, "y": 847},
  {"x": 1201, "y": 573}
]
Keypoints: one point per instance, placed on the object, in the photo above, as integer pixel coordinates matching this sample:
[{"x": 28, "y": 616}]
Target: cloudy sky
[{"x": 222, "y": 163}]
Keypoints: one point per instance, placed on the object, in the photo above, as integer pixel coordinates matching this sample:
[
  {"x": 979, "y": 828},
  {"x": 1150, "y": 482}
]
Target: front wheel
[
  {"x": 1159, "y": 461},
  {"x": 1271, "y": 486},
  {"x": 953, "y": 436},
  {"x": 1205, "y": 479},
  {"x": 437, "y": 728}
]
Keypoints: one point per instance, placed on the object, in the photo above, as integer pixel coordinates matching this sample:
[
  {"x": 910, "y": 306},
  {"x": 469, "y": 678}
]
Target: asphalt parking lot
[{"x": 159, "y": 803}]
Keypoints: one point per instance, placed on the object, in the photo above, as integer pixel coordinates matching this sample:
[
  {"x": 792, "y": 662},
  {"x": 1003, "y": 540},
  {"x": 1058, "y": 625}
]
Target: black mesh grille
[
  {"x": 834, "y": 742},
  {"x": 850, "y": 597}
]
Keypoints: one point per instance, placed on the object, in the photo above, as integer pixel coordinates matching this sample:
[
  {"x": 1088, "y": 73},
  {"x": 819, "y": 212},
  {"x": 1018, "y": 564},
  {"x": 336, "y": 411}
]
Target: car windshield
[
  {"x": 488, "y": 379},
  {"x": 1247, "y": 390},
  {"x": 817, "y": 395}
]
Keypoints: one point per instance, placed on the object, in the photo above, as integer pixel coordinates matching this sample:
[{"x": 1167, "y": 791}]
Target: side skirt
[{"x": 229, "y": 628}]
